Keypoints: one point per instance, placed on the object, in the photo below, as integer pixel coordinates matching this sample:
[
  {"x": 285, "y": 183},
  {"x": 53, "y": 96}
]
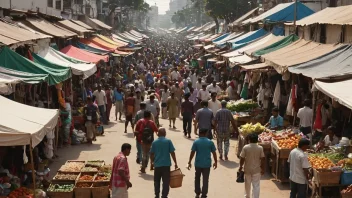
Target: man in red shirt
[
  {"x": 120, "y": 178},
  {"x": 144, "y": 132}
]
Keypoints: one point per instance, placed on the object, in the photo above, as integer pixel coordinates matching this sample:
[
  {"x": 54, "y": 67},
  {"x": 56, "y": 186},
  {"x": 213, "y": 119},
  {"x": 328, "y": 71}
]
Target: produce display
[
  {"x": 289, "y": 142},
  {"x": 252, "y": 128},
  {"x": 72, "y": 167},
  {"x": 103, "y": 177},
  {"x": 89, "y": 169},
  {"x": 83, "y": 185},
  {"x": 241, "y": 105},
  {"x": 106, "y": 169},
  {"x": 86, "y": 178},
  {"x": 95, "y": 163},
  {"x": 65, "y": 176},
  {"x": 320, "y": 162},
  {"x": 21, "y": 192},
  {"x": 61, "y": 188}
]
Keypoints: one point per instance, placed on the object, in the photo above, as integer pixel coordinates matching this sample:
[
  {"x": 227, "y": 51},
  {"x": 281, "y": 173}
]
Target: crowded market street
[{"x": 222, "y": 182}]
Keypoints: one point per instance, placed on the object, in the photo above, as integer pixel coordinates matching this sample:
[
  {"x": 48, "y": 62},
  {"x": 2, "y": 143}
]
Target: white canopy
[
  {"x": 339, "y": 91},
  {"x": 85, "y": 69},
  {"x": 19, "y": 123}
]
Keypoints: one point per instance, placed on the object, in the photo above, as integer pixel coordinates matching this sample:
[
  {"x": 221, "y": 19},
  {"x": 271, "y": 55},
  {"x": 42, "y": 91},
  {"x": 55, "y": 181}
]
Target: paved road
[{"x": 222, "y": 180}]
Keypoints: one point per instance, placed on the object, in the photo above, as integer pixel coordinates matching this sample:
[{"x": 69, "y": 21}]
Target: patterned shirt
[
  {"x": 223, "y": 118},
  {"x": 120, "y": 163}
]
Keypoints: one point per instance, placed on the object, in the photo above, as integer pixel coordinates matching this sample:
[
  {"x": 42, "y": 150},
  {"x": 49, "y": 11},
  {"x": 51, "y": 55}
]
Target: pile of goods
[
  {"x": 61, "y": 188},
  {"x": 71, "y": 166},
  {"x": 320, "y": 162},
  {"x": 289, "y": 142},
  {"x": 65, "y": 176},
  {"x": 21, "y": 192},
  {"x": 251, "y": 128},
  {"x": 241, "y": 105},
  {"x": 86, "y": 178},
  {"x": 89, "y": 169}
]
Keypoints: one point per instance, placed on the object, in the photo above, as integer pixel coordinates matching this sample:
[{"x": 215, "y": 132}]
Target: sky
[{"x": 163, "y": 5}]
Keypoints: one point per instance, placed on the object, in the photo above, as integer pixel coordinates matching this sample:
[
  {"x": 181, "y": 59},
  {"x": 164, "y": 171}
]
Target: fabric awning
[
  {"x": 298, "y": 52},
  {"x": 74, "y": 27},
  {"x": 11, "y": 60},
  {"x": 80, "y": 23},
  {"x": 334, "y": 64},
  {"x": 13, "y": 76},
  {"x": 11, "y": 34},
  {"x": 51, "y": 56},
  {"x": 20, "y": 123},
  {"x": 282, "y": 12},
  {"x": 100, "y": 24},
  {"x": 48, "y": 28},
  {"x": 254, "y": 66},
  {"x": 83, "y": 55},
  {"x": 341, "y": 15},
  {"x": 276, "y": 46},
  {"x": 339, "y": 91}
]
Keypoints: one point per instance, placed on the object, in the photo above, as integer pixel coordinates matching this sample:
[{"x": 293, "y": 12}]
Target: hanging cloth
[{"x": 277, "y": 94}]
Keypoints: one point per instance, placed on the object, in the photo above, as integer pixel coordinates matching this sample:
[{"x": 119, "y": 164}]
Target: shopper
[
  {"x": 144, "y": 131},
  {"x": 160, "y": 153},
  {"x": 299, "y": 173},
  {"x": 120, "y": 175},
  {"x": 203, "y": 148},
  {"x": 223, "y": 119},
  {"x": 253, "y": 161}
]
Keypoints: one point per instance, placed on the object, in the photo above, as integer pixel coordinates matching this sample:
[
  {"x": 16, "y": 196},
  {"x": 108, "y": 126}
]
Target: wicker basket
[
  {"x": 83, "y": 192},
  {"x": 100, "y": 190},
  {"x": 323, "y": 176},
  {"x": 176, "y": 178}
]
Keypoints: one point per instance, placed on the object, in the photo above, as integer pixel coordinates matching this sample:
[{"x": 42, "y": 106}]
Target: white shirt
[
  {"x": 175, "y": 75},
  {"x": 214, "y": 106},
  {"x": 335, "y": 140},
  {"x": 203, "y": 95},
  {"x": 305, "y": 116},
  {"x": 100, "y": 97},
  {"x": 215, "y": 89},
  {"x": 298, "y": 161}
]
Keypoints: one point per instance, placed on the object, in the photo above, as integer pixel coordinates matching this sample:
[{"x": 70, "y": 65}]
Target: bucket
[{"x": 176, "y": 178}]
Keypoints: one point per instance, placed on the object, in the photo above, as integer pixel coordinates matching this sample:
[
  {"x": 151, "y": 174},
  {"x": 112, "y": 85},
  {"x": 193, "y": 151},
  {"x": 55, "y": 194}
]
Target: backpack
[{"x": 147, "y": 134}]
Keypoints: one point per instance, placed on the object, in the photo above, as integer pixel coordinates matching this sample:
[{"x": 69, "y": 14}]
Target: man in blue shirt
[
  {"x": 118, "y": 100},
  {"x": 160, "y": 159},
  {"x": 276, "y": 122},
  {"x": 203, "y": 147}
]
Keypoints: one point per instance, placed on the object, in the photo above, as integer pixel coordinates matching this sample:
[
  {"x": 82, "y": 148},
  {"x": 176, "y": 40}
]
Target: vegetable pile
[
  {"x": 72, "y": 167},
  {"x": 86, "y": 178},
  {"x": 252, "y": 128},
  {"x": 21, "y": 192},
  {"x": 290, "y": 142},
  {"x": 61, "y": 188},
  {"x": 320, "y": 162},
  {"x": 241, "y": 105},
  {"x": 95, "y": 163},
  {"x": 63, "y": 176},
  {"x": 89, "y": 169}
]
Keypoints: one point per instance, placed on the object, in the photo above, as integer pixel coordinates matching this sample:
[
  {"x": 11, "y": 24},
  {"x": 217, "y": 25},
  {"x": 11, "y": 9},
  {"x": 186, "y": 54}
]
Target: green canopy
[
  {"x": 278, "y": 45},
  {"x": 11, "y": 60}
]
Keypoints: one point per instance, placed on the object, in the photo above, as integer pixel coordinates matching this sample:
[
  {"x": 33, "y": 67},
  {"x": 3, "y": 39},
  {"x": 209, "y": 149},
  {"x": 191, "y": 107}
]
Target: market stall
[{"x": 81, "y": 179}]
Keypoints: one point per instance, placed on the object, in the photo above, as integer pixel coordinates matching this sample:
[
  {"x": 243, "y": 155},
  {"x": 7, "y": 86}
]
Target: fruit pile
[
  {"x": 320, "y": 162},
  {"x": 290, "y": 142},
  {"x": 252, "y": 128}
]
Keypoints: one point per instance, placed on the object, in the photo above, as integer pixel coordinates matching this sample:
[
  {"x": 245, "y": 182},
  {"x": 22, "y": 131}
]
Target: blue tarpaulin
[{"x": 250, "y": 36}]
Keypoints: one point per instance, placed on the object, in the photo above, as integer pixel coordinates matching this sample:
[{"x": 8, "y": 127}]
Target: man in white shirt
[
  {"x": 175, "y": 75},
  {"x": 253, "y": 159},
  {"x": 214, "y": 105},
  {"x": 299, "y": 165},
  {"x": 203, "y": 94},
  {"x": 214, "y": 88},
  {"x": 100, "y": 98},
  {"x": 305, "y": 116}
]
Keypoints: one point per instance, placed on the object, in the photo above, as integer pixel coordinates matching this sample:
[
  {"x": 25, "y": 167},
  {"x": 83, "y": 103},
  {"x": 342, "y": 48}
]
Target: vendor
[
  {"x": 331, "y": 139},
  {"x": 276, "y": 122}
]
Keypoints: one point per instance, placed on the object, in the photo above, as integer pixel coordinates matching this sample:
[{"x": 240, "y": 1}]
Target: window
[{"x": 50, "y": 3}]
